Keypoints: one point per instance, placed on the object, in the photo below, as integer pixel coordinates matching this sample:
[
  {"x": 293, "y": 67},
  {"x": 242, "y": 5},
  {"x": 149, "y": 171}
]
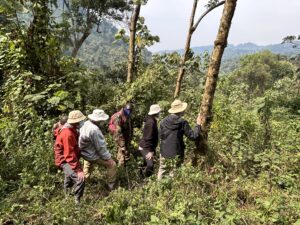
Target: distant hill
[
  {"x": 236, "y": 51},
  {"x": 101, "y": 50}
]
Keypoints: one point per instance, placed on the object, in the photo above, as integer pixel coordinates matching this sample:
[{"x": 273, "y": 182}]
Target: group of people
[{"x": 75, "y": 137}]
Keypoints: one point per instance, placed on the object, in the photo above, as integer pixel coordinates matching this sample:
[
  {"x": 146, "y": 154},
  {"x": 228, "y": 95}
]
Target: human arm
[
  {"x": 149, "y": 139},
  {"x": 118, "y": 134},
  {"x": 59, "y": 153},
  {"x": 99, "y": 143},
  {"x": 189, "y": 133},
  {"x": 71, "y": 151}
]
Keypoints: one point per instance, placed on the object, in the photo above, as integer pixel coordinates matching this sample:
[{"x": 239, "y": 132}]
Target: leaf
[
  {"x": 61, "y": 94},
  {"x": 36, "y": 77},
  {"x": 37, "y": 97},
  {"x": 54, "y": 100}
]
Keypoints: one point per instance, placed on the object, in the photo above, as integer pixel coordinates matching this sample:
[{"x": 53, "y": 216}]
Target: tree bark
[
  {"x": 78, "y": 43},
  {"x": 205, "y": 114},
  {"x": 131, "y": 50},
  {"x": 192, "y": 28},
  {"x": 186, "y": 50}
]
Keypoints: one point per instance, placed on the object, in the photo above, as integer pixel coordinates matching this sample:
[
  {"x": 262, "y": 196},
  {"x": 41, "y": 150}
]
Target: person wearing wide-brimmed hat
[
  {"x": 93, "y": 147},
  {"x": 67, "y": 154},
  {"x": 172, "y": 130},
  {"x": 149, "y": 141}
]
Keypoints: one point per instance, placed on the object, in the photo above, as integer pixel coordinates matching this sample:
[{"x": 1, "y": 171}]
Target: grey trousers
[
  {"x": 71, "y": 179},
  {"x": 167, "y": 166}
]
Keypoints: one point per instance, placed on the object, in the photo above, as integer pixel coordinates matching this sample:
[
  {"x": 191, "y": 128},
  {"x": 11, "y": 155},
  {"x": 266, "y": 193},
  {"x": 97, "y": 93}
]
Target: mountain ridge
[{"x": 238, "y": 50}]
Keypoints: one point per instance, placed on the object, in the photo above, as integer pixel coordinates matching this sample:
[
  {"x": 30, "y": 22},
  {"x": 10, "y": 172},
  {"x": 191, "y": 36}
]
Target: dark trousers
[
  {"x": 71, "y": 179},
  {"x": 148, "y": 164}
]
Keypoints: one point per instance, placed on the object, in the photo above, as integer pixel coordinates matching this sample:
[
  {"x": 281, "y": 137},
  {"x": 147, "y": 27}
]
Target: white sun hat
[
  {"x": 178, "y": 106},
  {"x": 154, "y": 109},
  {"x": 98, "y": 115},
  {"x": 75, "y": 116}
]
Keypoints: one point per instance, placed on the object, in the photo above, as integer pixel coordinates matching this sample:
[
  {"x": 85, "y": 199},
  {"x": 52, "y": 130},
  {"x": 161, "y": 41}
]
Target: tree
[
  {"x": 131, "y": 50},
  {"x": 84, "y": 15},
  {"x": 260, "y": 71},
  {"x": 205, "y": 114},
  {"x": 292, "y": 39},
  {"x": 192, "y": 27}
]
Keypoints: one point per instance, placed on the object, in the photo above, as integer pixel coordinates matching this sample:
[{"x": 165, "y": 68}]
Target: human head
[
  {"x": 154, "y": 110},
  {"x": 178, "y": 107},
  {"x": 98, "y": 117},
  {"x": 127, "y": 109},
  {"x": 63, "y": 119},
  {"x": 75, "y": 117}
]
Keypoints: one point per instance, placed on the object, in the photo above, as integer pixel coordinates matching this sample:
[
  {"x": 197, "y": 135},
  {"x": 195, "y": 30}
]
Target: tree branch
[{"x": 205, "y": 13}]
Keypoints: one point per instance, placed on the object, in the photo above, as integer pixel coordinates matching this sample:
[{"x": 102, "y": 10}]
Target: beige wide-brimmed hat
[
  {"x": 75, "y": 116},
  {"x": 154, "y": 109},
  {"x": 98, "y": 115},
  {"x": 177, "y": 106}
]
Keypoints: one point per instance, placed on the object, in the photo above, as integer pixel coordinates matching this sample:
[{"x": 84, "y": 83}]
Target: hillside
[
  {"x": 236, "y": 51},
  {"x": 101, "y": 50}
]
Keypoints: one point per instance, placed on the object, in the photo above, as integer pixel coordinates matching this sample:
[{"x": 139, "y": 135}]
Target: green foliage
[
  {"x": 79, "y": 18},
  {"x": 254, "y": 142},
  {"x": 101, "y": 50},
  {"x": 259, "y": 71}
]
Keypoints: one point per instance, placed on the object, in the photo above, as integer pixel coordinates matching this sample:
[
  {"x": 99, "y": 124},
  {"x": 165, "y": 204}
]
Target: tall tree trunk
[
  {"x": 186, "y": 50},
  {"x": 131, "y": 50},
  {"x": 192, "y": 28},
  {"x": 205, "y": 114}
]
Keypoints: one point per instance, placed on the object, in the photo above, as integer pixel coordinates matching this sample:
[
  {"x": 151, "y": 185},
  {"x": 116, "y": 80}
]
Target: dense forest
[{"x": 59, "y": 56}]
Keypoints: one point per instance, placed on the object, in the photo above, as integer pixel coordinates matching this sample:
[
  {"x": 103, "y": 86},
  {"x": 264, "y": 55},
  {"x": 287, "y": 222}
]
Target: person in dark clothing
[
  {"x": 149, "y": 140},
  {"x": 120, "y": 127},
  {"x": 172, "y": 130}
]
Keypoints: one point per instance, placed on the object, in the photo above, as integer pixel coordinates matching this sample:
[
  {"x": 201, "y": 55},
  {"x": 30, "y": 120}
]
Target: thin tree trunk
[
  {"x": 78, "y": 43},
  {"x": 192, "y": 28},
  {"x": 186, "y": 50},
  {"x": 131, "y": 50},
  {"x": 205, "y": 115}
]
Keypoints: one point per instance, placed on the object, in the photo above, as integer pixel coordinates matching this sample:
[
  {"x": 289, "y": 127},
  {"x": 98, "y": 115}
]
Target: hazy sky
[{"x": 259, "y": 21}]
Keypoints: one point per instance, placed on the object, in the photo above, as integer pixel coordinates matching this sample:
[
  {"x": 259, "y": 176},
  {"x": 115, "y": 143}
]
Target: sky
[{"x": 259, "y": 21}]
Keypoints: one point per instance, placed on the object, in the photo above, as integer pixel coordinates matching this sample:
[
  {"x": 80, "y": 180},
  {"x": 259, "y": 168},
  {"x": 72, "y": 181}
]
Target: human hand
[
  {"x": 198, "y": 120},
  {"x": 80, "y": 176},
  {"x": 150, "y": 155},
  {"x": 110, "y": 162}
]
